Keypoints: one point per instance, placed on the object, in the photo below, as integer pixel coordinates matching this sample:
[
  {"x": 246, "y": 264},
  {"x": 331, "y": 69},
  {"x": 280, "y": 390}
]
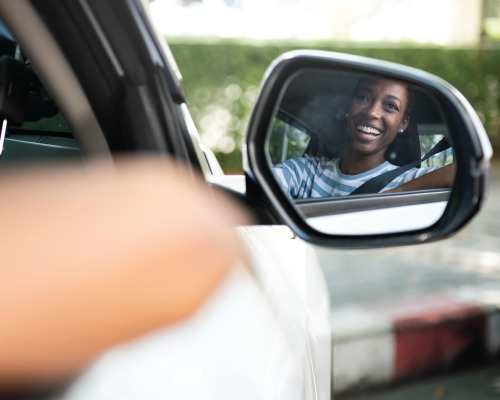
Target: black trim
[{"x": 89, "y": 61}]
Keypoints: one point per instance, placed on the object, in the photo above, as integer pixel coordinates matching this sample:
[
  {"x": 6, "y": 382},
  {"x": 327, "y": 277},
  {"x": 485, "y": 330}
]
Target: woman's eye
[
  {"x": 393, "y": 106},
  {"x": 361, "y": 97}
]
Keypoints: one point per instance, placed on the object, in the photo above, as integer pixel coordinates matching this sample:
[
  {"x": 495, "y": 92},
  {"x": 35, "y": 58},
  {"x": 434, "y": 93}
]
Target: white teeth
[{"x": 367, "y": 129}]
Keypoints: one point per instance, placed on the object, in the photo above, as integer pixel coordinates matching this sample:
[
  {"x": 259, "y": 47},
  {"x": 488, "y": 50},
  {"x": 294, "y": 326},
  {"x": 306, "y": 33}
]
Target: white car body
[{"x": 264, "y": 334}]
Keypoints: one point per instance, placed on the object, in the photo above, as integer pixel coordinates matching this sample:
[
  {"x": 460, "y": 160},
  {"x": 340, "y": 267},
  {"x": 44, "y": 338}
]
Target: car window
[
  {"x": 288, "y": 139},
  {"x": 34, "y": 131},
  {"x": 430, "y": 136}
]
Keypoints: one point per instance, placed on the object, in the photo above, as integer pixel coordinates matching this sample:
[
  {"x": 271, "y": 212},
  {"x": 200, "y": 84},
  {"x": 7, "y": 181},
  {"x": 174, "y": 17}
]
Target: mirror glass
[{"x": 361, "y": 153}]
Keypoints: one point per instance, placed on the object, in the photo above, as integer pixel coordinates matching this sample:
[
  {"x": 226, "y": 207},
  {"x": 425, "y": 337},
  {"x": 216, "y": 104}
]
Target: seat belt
[{"x": 377, "y": 183}]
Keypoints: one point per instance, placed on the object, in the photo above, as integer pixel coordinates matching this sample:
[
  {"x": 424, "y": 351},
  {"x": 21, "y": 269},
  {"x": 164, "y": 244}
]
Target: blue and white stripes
[{"x": 310, "y": 176}]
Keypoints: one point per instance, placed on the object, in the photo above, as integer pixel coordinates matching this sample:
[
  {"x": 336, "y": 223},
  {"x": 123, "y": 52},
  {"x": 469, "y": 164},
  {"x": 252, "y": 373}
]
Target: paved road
[
  {"x": 472, "y": 257},
  {"x": 478, "y": 384}
]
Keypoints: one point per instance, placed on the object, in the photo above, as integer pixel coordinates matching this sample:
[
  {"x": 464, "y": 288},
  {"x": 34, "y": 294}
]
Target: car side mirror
[{"x": 357, "y": 152}]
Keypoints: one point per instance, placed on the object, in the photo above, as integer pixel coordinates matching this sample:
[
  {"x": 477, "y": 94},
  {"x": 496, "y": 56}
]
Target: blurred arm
[{"x": 90, "y": 263}]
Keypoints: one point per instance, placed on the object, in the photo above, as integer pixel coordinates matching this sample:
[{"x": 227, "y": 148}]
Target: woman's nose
[{"x": 374, "y": 110}]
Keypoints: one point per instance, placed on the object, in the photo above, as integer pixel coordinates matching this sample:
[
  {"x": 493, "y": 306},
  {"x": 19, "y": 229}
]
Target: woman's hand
[{"x": 440, "y": 178}]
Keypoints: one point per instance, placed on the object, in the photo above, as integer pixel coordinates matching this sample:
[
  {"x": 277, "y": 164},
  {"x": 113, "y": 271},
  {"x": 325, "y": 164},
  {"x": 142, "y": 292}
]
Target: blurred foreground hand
[{"x": 90, "y": 260}]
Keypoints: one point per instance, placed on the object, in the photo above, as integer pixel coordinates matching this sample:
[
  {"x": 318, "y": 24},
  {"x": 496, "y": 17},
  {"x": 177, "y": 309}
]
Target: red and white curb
[{"x": 383, "y": 343}]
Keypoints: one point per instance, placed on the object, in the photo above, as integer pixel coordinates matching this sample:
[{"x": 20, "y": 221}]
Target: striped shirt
[{"x": 310, "y": 176}]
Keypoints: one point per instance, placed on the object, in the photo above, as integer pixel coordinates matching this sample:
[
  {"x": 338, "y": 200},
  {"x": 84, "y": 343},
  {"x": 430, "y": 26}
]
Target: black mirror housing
[{"x": 472, "y": 152}]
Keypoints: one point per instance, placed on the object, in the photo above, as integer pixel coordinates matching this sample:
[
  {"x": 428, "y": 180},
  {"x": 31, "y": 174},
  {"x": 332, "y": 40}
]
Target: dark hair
[{"x": 410, "y": 99}]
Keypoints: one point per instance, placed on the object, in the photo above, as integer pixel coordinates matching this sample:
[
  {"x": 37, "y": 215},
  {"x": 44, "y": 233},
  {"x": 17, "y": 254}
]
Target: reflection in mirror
[{"x": 360, "y": 153}]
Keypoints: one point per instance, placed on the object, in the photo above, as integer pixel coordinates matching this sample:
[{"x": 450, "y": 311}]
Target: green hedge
[{"x": 221, "y": 81}]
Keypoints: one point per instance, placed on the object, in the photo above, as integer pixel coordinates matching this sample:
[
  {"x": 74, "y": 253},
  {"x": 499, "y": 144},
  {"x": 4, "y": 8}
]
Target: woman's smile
[{"x": 368, "y": 130}]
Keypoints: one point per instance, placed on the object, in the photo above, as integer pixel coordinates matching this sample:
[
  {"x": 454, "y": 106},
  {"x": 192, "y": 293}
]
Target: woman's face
[{"x": 377, "y": 115}]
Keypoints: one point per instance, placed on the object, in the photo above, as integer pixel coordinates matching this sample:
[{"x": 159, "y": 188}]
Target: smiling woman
[{"x": 379, "y": 111}]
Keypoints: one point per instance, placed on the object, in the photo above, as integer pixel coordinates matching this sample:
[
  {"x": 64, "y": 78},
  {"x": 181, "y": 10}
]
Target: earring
[{"x": 401, "y": 131}]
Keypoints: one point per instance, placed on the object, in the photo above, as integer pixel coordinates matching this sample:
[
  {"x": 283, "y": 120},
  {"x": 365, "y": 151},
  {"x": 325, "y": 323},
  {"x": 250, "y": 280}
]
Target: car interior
[{"x": 33, "y": 128}]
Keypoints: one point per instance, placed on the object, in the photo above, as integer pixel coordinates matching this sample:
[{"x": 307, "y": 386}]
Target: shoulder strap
[{"x": 377, "y": 183}]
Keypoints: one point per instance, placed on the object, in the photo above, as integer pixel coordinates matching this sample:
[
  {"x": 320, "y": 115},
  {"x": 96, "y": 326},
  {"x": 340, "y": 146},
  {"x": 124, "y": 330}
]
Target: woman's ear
[{"x": 404, "y": 124}]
